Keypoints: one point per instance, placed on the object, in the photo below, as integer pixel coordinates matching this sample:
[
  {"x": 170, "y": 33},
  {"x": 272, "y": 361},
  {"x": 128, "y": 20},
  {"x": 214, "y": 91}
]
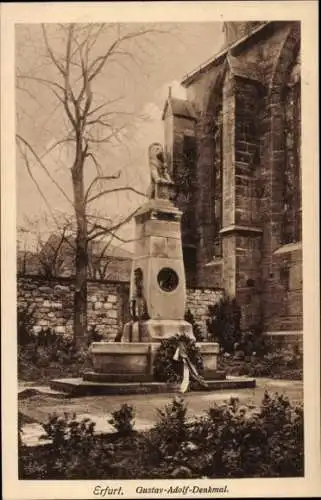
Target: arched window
[
  {"x": 218, "y": 179},
  {"x": 210, "y": 174},
  {"x": 292, "y": 167}
]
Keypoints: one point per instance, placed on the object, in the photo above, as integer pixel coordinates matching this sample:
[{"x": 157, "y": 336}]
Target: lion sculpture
[{"x": 158, "y": 167}]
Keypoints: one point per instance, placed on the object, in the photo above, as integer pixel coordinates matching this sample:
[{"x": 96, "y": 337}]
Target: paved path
[{"x": 39, "y": 402}]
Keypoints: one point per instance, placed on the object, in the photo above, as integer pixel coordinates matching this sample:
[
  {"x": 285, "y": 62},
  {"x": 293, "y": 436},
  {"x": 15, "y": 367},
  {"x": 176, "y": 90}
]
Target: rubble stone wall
[{"x": 108, "y": 304}]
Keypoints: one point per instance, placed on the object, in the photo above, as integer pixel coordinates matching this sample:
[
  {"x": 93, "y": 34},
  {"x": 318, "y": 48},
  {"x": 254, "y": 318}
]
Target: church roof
[
  {"x": 217, "y": 59},
  {"x": 245, "y": 68},
  {"x": 179, "y": 107}
]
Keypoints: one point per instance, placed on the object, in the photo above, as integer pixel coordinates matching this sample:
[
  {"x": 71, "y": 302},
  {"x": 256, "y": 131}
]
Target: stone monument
[
  {"x": 157, "y": 293},
  {"x": 157, "y": 303}
]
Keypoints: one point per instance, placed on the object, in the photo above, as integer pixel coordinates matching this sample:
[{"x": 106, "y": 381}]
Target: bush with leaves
[
  {"x": 93, "y": 335},
  {"x": 48, "y": 353},
  {"x": 25, "y": 323},
  {"x": 123, "y": 419},
  {"x": 224, "y": 323},
  {"x": 165, "y": 368},
  {"x": 254, "y": 341},
  {"x": 170, "y": 430},
  {"x": 235, "y": 441},
  {"x": 196, "y": 327},
  {"x": 278, "y": 363},
  {"x": 74, "y": 451},
  {"x": 66, "y": 428},
  {"x": 231, "y": 440}
]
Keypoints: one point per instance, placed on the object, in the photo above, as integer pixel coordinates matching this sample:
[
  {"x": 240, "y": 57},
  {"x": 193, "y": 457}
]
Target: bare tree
[
  {"x": 22, "y": 234},
  {"x": 99, "y": 259},
  {"x": 52, "y": 254},
  {"x": 90, "y": 122}
]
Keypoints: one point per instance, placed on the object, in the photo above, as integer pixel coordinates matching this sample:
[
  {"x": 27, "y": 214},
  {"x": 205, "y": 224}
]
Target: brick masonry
[{"x": 108, "y": 304}]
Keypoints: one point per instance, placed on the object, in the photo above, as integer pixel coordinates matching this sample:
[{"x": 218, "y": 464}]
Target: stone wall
[
  {"x": 53, "y": 301},
  {"x": 198, "y": 300},
  {"x": 108, "y": 304}
]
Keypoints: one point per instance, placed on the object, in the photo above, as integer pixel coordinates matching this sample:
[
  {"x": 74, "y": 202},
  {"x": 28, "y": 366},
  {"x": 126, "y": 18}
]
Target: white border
[{"x": 306, "y": 11}]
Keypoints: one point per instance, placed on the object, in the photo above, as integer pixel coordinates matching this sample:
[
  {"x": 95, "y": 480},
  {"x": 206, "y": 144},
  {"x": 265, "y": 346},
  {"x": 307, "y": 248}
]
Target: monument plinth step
[
  {"x": 93, "y": 376},
  {"x": 80, "y": 387}
]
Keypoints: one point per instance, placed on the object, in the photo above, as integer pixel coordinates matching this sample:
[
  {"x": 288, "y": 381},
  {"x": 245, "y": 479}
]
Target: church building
[{"x": 233, "y": 147}]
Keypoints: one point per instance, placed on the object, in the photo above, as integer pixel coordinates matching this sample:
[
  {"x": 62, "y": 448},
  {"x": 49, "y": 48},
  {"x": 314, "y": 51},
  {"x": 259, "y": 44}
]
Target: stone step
[{"x": 79, "y": 387}]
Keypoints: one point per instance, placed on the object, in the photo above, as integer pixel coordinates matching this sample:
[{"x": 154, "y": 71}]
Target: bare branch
[
  {"x": 30, "y": 94},
  {"x": 108, "y": 103},
  {"x": 26, "y": 143},
  {"x": 56, "y": 144},
  {"x": 43, "y": 81},
  {"x": 119, "y": 238},
  {"x": 67, "y": 91},
  {"x": 107, "y": 138},
  {"x": 115, "y": 190},
  {"x": 99, "y": 121},
  {"x": 100, "y": 61},
  {"x": 100, "y": 178},
  {"x": 94, "y": 224},
  {"x": 99, "y": 168},
  {"x": 25, "y": 157},
  {"x": 111, "y": 230},
  {"x": 50, "y": 52}
]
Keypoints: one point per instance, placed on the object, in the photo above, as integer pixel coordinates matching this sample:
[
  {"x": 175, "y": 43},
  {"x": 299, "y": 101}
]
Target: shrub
[
  {"x": 170, "y": 430},
  {"x": 234, "y": 440},
  {"x": 74, "y": 452},
  {"x": 25, "y": 324},
  {"x": 123, "y": 419},
  {"x": 93, "y": 335},
  {"x": 196, "y": 328},
  {"x": 48, "y": 353},
  {"x": 254, "y": 341},
  {"x": 66, "y": 428},
  {"x": 224, "y": 323},
  {"x": 166, "y": 369},
  {"x": 279, "y": 363},
  {"x": 231, "y": 440}
]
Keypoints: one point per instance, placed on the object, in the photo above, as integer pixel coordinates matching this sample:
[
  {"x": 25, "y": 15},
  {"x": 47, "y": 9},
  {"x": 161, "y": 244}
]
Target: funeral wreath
[{"x": 168, "y": 366}]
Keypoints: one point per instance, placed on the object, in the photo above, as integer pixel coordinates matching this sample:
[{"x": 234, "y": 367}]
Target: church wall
[
  {"x": 199, "y": 90},
  {"x": 229, "y": 179},
  {"x": 265, "y": 276},
  {"x": 281, "y": 264},
  {"x": 248, "y": 100}
]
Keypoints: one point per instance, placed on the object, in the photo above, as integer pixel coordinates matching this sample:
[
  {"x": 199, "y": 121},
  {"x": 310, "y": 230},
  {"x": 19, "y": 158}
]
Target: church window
[
  {"x": 185, "y": 187},
  {"x": 292, "y": 173},
  {"x": 218, "y": 180}
]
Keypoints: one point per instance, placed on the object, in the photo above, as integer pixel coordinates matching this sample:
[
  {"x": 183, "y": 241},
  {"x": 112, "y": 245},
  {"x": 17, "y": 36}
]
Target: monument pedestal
[
  {"x": 157, "y": 299},
  {"x": 134, "y": 361},
  {"x": 154, "y": 330}
]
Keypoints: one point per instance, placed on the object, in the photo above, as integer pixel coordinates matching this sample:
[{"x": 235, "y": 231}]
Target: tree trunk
[{"x": 81, "y": 261}]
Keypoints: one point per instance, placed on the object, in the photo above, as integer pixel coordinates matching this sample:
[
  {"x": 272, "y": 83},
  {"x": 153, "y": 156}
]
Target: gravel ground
[{"x": 36, "y": 403}]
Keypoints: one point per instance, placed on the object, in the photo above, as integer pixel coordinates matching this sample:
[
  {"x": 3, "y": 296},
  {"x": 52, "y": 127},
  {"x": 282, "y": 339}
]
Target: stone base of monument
[
  {"x": 78, "y": 387},
  {"x": 127, "y": 368},
  {"x": 153, "y": 330}
]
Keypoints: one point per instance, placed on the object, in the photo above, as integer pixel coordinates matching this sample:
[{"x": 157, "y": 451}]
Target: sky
[{"x": 139, "y": 84}]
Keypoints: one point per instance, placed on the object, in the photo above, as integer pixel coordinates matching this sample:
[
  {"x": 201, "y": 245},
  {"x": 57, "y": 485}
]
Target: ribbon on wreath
[{"x": 189, "y": 370}]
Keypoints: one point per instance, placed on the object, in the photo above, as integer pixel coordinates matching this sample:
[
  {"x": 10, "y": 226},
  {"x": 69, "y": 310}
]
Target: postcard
[{"x": 159, "y": 224}]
